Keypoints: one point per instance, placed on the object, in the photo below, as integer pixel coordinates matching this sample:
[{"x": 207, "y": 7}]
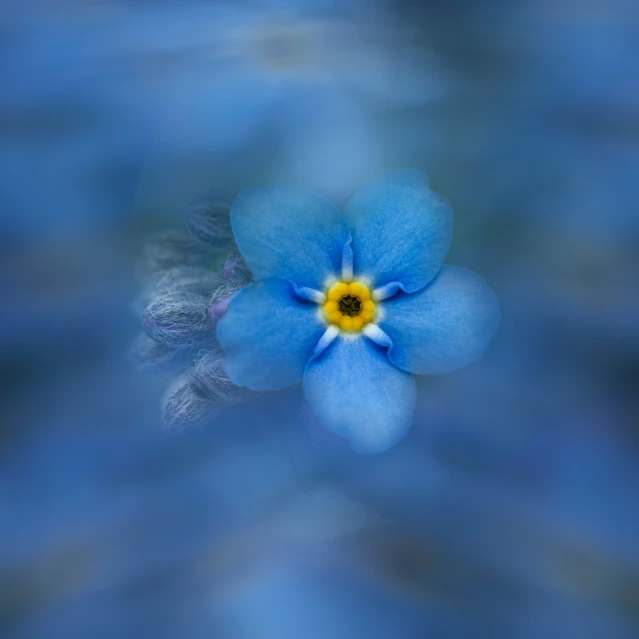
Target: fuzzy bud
[
  {"x": 169, "y": 249},
  {"x": 236, "y": 270},
  {"x": 148, "y": 354},
  {"x": 209, "y": 219},
  {"x": 182, "y": 407},
  {"x": 178, "y": 318},
  {"x": 209, "y": 379}
]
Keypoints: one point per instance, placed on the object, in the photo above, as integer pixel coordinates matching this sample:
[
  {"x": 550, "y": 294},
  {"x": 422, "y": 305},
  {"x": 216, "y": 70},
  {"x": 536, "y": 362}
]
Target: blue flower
[{"x": 354, "y": 303}]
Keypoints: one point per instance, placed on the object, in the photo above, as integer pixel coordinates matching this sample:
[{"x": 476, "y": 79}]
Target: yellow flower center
[{"x": 349, "y": 306}]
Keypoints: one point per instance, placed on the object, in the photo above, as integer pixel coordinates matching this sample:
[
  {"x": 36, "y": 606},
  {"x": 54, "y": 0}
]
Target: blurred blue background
[{"x": 510, "y": 510}]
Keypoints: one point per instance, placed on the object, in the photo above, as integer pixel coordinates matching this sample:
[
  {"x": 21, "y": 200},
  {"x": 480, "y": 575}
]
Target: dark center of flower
[{"x": 350, "y": 305}]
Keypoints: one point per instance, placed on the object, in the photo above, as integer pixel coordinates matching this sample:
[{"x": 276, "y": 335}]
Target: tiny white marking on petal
[
  {"x": 384, "y": 292},
  {"x": 347, "y": 262},
  {"x": 375, "y": 333},
  {"x": 329, "y": 335},
  {"x": 311, "y": 294}
]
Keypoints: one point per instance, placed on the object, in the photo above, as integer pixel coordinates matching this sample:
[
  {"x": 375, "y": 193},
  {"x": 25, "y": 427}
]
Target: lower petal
[
  {"x": 355, "y": 392},
  {"x": 444, "y": 326},
  {"x": 268, "y": 335}
]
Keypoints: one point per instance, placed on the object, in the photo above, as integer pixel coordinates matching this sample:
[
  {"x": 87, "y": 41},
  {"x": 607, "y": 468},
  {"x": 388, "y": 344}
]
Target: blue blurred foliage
[{"x": 510, "y": 510}]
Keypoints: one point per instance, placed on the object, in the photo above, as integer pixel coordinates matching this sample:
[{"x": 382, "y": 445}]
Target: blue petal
[
  {"x": 290, "y": 232},
  {"x": 355, "y": 392},
  {"x": 444, "y": 326},
  {"x": 401, "y": 230},
  {"x": 268, "y": 334}
]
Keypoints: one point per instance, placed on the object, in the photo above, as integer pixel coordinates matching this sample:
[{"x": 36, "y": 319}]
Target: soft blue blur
[{"x": 509, "y": 510}]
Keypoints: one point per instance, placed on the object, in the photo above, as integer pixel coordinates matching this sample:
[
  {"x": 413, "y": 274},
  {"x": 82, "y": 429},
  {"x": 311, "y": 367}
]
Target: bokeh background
[{"x": 512, "y": 507}]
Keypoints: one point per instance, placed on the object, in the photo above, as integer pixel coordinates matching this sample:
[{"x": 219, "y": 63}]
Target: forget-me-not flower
[{"x": 352, "y": 303}]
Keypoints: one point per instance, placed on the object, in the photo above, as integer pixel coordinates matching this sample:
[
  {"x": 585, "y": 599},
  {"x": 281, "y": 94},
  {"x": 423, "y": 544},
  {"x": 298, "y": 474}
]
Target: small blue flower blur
[{"x": 391, "y": 240}]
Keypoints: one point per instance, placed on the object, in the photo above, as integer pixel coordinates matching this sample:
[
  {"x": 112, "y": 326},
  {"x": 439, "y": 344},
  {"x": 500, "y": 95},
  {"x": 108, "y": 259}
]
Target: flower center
[{"x": 349, "y": 306}]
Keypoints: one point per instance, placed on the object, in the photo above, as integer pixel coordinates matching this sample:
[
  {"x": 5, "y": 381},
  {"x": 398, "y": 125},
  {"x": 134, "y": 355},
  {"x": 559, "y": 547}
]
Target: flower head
[{"x": 352, "y": 303}]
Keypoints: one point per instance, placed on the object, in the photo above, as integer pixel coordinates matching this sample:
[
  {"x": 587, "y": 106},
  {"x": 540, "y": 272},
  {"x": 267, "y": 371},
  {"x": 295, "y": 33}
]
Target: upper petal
[
  {"x": 354, "y": 391},
  {"x": 401, "y": 230},
  {"x": 290, "y": 232},
  {"x": 268, "y": 335},
  {"x": 444, "y": 326}
]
